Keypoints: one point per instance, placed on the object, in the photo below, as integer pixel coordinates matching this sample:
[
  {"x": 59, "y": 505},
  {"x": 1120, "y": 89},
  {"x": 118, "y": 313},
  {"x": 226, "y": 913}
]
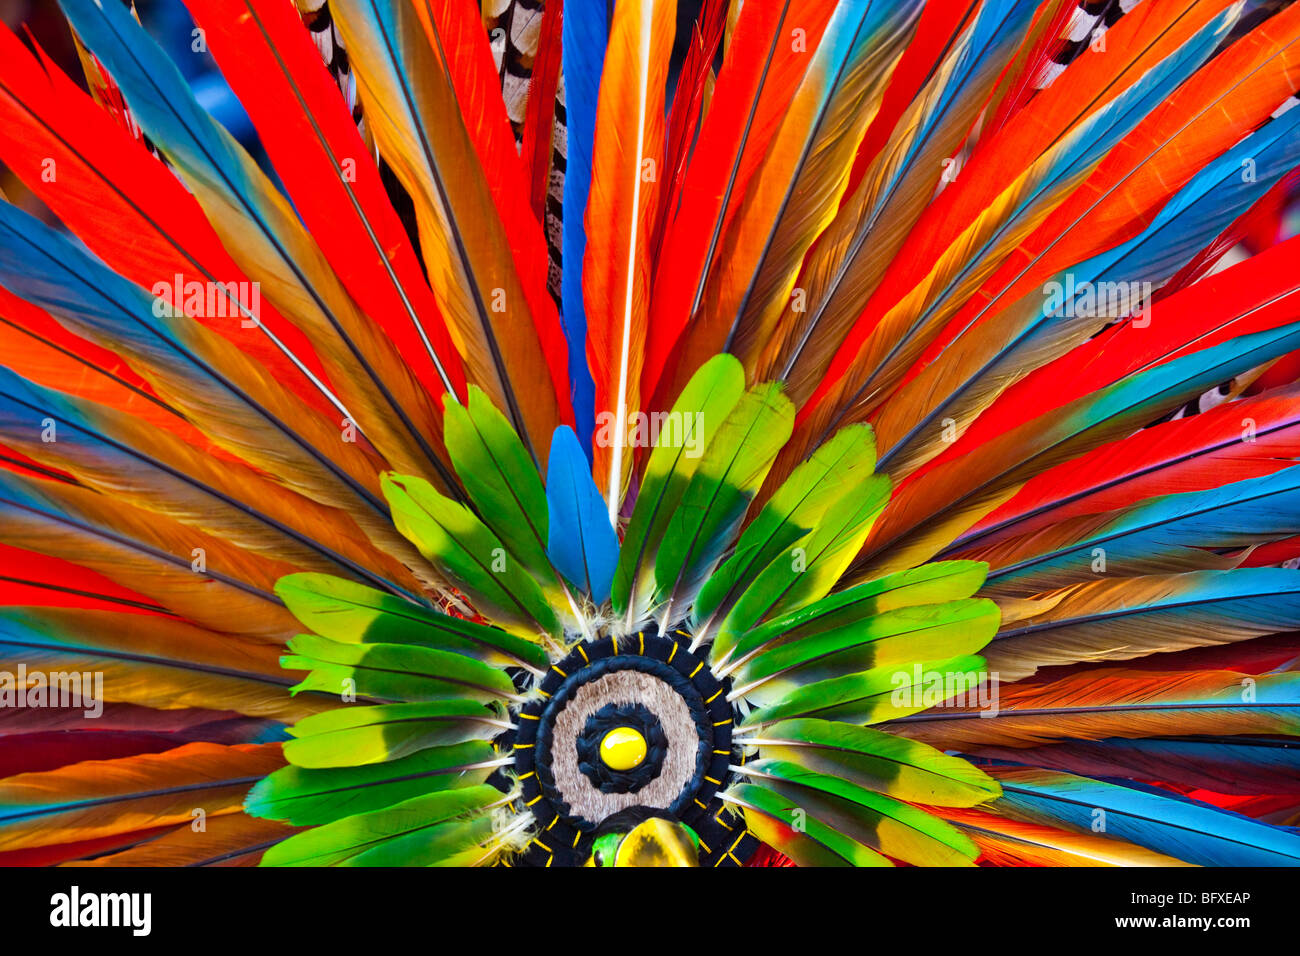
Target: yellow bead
[{"x": 622, "y": 749}]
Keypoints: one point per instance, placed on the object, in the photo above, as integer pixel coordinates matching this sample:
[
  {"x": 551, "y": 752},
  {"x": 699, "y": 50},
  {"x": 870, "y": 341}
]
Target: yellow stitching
[
  {"x": 721, "y": 723},
  {"x": 527, "y": 775},
  {"x": 534, "y": 800},
  {"x": 531, "y": 716},
  {"x": 697, "y": 669},
  {"x": 716, "y": 783},
  {"x": 715, "y": 696},
  {"x": 558, "y": 671},
  {"x": 672, "y": 653},
  {"x": 521, "y": 746},
  {"x": 584, "y": 654}
]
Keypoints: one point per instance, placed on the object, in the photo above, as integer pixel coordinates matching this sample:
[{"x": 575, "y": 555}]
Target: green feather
[
  {"x": 345, "y": 611},
  {"x": 901, "y": 636},
  {"x": 501, "y": 480},
  {"x": 703, "y": 406},
  {"x": 729, "y": 475},
  {"x": 834, "y": 470},
  {"x": 473, "y": 558},
  {"x": 786, "y": 826},
  {"x": 393, "y": 671},
  {"x": 882, "y": 823},
  {"x": 338, "y": 842},
  {"x": 806, "y": 574},
  {"x": 931, "y": 583},
  {"x": 868, "y": 697},
  {"x": 306, "y": 797},
  {"x": 349, "y": 736},
  {"x": 447, "y": 844},
  {"x": 877, "y": 761}
]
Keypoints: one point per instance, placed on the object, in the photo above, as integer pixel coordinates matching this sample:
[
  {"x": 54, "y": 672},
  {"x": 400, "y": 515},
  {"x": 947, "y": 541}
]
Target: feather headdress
[{"x": 636, "y": 433}]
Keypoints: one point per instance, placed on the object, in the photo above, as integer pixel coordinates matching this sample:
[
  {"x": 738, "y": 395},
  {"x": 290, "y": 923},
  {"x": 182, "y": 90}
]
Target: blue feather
[
  {"x": 1201, "y": 210},
  {"x": 586, "y": 33},
  {"x": 1163, "y": 529},
  {"x": 581, "y": 543},
  {"x": 1158, "y": 820}
]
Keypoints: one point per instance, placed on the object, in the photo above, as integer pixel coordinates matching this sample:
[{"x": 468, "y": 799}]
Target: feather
[
  {"x": 585, "y": 37},
  {"x": 1234, "y": 441},
  {"x": 930, "y": 631},
  {"x": 772, "y": 816},
  {"x": 266, "y": 237},
  {"x": 1250, "y": 296},
  {"x": 1163, "y": 534},
  {"x": 806, "y": 574},
  {"x": 627, "y": 152},
  {"x": 145, "y": 552},
  {"x": 1110, "y": 702},
  {"x": 976, "y": 484},
  {"x": 153, "y": 471},
  {"x": 762, "y": 67},
  {"x": 384, "y": 837},
  {"x": 466, "y": 247},
  {"x": 795, "y": 509},
  {"x": 876, "y": 760},
  {"x": 230, "y": 840},
  {"x": 797, "y": 187},
  {"x": 582, "y": 544},
  {"x": 870, "y": 697},
  {"x": 358, "y": 736},
  {"x": 454, "y": 33},
  {"x": 730, "y": 472},
  {"x": 354, "y": 614},
  {"x": 1184, "y": 829},
  {"x": 304, "y": 124},
  {"x": 306, "y": 797},
  {"x": 400, "y": 672},
  {"x": 155, "y": 661},
  {"x": 198, "y": 373},
  {"x": 1019, "y": 339},
  {"x": 839, "y": 277},
  {"x": 1133, "y": 617},
  {"x": 929, "y": 584},
  {"x": 703, "y": 407},
  {"x": 1051, "y": 146},
  {"x": 959, "y": 267},
  {"x": 501, "y": 481},
  {"x": 1006, "y": 842},
  {"x": 539, "y": 120},
  {"x": 470, "y": 556},
  {"x": 104, "y": 797},
  {"x": 1240, "y": 765},
  {"x": 888, "y": 826}
]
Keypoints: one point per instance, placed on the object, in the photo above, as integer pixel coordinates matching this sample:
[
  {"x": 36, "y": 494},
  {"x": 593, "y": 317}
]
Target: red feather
[
  {"x": 306, "y": 127},
  {"x": 757, "y": 81},
  {"x": 123, "y": 191}
]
